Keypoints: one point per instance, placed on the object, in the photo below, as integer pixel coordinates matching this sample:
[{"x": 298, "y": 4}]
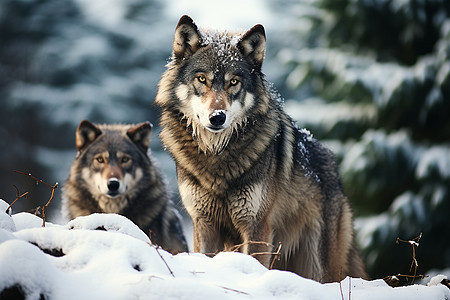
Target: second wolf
[
  {"x": 112, "y": 173},
  {"x": 246, "y": 173}
]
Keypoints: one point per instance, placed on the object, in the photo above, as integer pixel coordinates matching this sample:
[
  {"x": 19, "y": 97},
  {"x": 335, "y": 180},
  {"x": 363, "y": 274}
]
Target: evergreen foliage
[
  {"x": 62, "y": 61},
  {"x": 377, "y": 82}
]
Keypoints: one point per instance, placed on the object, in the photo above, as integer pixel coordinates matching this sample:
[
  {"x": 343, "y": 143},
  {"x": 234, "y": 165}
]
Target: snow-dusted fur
[
  {"x": 246, "y": 173},
  {"x": 112, "y": 173}
]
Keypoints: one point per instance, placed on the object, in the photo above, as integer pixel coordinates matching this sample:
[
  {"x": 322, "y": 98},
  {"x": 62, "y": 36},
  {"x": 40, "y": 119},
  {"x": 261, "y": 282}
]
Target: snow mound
[
  {"x": 108, "y": 222},
  {"x": 6, "y": 221},
  {"x": 105, "y": 256},
  {"x": 437, "y": 280}
]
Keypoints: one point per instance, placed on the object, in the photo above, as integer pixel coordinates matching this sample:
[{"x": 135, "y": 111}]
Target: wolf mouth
[
  {"x": 215, "y": 129},
  {"x": 113, "y": 194}
]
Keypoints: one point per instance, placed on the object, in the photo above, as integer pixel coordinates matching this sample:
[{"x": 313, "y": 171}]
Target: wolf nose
[
  {"x": 113, "y": 184},
  {"x": 217, "y": 118}
]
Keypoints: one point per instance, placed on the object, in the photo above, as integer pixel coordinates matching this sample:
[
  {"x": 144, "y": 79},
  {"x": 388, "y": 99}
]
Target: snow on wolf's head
[{"x": 214, "y": 81}]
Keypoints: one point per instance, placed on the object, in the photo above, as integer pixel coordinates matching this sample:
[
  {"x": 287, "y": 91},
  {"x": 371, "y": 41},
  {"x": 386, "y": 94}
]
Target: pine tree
[
  {"x": 62, "y": 61},
  {"x": 373, "y": 79}
]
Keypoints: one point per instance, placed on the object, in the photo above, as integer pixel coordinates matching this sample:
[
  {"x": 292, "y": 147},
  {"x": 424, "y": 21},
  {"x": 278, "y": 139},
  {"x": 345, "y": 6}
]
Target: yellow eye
[
  {"x": 202, "y": 79},
  {"x": 234, "y": 82},
  {"x": 100, "y": 160}
]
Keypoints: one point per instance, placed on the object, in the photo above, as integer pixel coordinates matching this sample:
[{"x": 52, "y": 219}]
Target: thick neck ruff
[{"x": 213, "y": 142}]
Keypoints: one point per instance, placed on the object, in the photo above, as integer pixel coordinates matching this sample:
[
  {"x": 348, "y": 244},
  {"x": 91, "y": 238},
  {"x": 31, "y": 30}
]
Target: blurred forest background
[{"x": 371, "y": 79}]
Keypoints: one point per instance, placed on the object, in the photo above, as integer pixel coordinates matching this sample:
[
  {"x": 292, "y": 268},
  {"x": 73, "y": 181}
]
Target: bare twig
[
  {"x": 150, "y": 236},
  {"x": 239, "y": 246},
  {"x": 170, "y": 270},
  {"x": 254, "y": 254},
  {"x": 349, "y": 288},
  {"x": 414, "y": 243},
  {"x": 261, "y": 253},
  {"x": 393, "y": 280},
  {"x": 412, "y": 276},
  {"x": 48, "y": 203},
  {"x": 53, "y": 187},
  {"x": 17, "y": 197},
  {"x": 36, "y": 211},
  {"x": 233, "y": 290},
  {"x": 276, "y": 255},
  {"x": 35, "y": 179},
  {"x": 340, "y": 288}
]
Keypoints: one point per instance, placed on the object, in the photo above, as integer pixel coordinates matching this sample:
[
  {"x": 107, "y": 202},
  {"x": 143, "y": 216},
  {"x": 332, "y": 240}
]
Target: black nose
[
  {"x": 113, "y": 184},
  {"x": 217, "y": 118}
]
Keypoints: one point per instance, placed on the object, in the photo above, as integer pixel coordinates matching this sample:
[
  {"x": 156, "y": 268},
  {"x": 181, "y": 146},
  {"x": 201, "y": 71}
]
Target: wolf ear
[
  {"x": 253, "y": 45},
  {"x": 86, "y": 133},
  {"x": 187, "y": 38},
  {"x": 140, "y": 135}
]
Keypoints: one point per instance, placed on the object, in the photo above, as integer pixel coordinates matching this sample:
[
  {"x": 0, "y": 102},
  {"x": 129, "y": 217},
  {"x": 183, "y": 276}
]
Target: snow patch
[
  {"x": 436, "y": 280},
  {"x": 76, "y": 261}
]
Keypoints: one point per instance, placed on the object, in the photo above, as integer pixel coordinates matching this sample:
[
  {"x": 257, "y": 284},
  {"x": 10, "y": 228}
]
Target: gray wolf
[
  {"x": 246, "y": 172},
  {"x": 112, "y": 173}
]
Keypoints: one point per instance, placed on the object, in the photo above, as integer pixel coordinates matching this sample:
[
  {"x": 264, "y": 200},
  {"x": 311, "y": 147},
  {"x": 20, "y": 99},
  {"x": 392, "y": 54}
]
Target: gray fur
[
  {"x": 256, "y": 177},
  {"x": 145, "y": 200}
]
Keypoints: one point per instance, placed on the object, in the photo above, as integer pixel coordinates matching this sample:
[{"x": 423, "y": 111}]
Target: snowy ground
[{"x": 106, "y": 256}]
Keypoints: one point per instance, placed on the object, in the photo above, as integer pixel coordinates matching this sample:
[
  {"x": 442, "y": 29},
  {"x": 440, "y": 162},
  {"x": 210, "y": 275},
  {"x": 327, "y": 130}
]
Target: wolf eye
[
  {"x": 202, "y": 79},
  {"x": 124, "y": 159},
  {"x": 234, "y": 82},
  {"x": 100, "y": 159}
]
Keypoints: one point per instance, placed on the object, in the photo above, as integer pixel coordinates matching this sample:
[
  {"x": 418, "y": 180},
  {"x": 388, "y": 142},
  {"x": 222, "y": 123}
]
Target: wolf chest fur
[
  {"x": 112, "y": 173},
  {"x": 246, "y": 174}
]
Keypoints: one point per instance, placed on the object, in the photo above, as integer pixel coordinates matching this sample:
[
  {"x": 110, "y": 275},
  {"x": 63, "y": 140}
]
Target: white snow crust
[{"x": 106, "y": 256}]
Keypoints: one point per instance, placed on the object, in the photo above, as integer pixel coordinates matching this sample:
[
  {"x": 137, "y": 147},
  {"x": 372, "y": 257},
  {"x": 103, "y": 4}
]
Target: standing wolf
[
  {"x": 112, "y": 173},
  {"x": 246, "y": 173}
]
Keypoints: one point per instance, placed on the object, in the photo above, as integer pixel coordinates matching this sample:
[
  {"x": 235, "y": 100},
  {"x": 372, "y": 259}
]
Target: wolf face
[
  {"x": 111, "y": 163},
  {"x": 113, "y": 173},
  {"x": 217, "y": 75}
]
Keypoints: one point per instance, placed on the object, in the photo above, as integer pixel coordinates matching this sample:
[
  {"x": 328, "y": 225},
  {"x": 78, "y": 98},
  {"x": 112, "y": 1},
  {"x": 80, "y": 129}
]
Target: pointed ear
[
  {"x": 253, "y": 45},
  {"x": 140, "y": 135},
  {"x": 187, "y": 38},
  {"x": 86, "y": 133}
]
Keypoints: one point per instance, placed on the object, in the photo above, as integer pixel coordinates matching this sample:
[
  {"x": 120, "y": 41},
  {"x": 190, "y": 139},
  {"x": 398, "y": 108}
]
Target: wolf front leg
[
  {"x": 207, "y": 237},
  {"x": 250, "y": 218},
  {"x": 257, "y": 239}
]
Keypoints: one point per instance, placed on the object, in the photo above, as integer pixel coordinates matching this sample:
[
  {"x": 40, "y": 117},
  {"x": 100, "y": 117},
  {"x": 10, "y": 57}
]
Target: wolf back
[
  {"x": 112, "y": 173},
  {"x": 246, "y": 174}
]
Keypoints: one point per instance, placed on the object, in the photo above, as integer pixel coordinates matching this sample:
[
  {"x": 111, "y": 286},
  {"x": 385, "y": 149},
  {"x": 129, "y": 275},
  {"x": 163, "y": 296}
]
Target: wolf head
[
  {"x": 111, "y": 160},
  {"x": 214, "y": 81}
]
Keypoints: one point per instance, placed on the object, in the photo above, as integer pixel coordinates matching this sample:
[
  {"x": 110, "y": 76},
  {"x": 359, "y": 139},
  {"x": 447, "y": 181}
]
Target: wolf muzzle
[
  {"x": 217, "y": 119},
  {"x": 113, "y": 186}
]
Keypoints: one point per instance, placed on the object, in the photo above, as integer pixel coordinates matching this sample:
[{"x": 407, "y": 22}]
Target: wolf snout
[
  {"x": 113, "y": 185},
  {"x": 217, "y": 118}
]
